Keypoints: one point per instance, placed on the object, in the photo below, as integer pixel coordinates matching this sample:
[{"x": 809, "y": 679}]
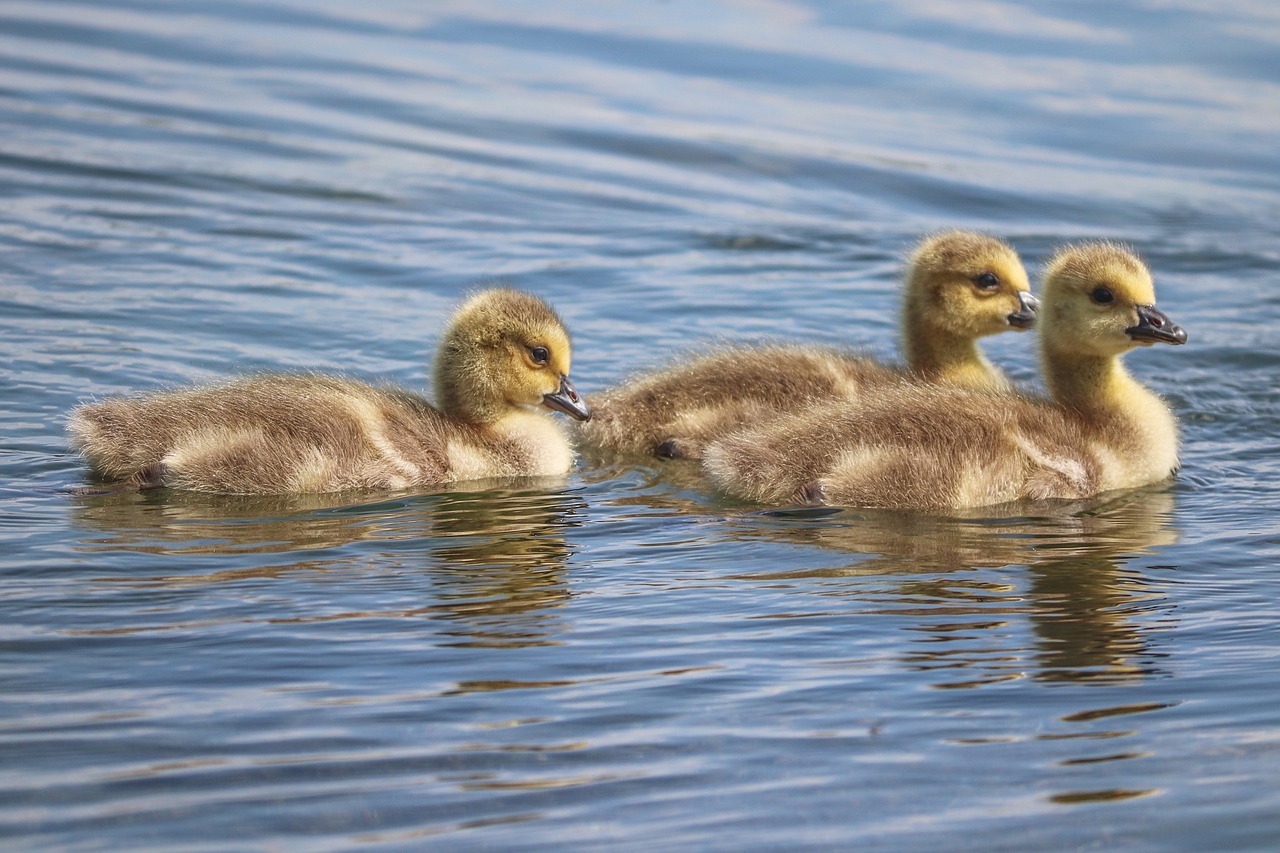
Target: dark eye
[
  {"x": 987, "y": 281},
  {"x": 539, "y": 355},
  {"x": 1102, "y": 295}
]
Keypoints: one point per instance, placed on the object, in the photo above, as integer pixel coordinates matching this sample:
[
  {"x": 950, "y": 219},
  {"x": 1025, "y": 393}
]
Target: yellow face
[
  {"x": 1099, "y": 300},
  {"x": 968, "y": 285},
  {"x": 505, "y": 348},
  {"x": 538, "y": 361}
]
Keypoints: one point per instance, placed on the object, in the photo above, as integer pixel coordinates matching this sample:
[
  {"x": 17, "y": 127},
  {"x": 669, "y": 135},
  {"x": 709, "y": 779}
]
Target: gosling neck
[
  {"x": 940, "y": 356},
  {"x": 469, "y": 396},
  {"x": 1090, "y": 383}
]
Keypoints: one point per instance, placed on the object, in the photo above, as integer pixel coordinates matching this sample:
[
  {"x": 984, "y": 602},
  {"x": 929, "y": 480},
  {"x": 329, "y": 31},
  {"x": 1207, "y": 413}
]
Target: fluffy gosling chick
[
  {"x": 917, "y": 446},
  {"x": 960, "y": 286},
  {"x": 503, "y": 361}
]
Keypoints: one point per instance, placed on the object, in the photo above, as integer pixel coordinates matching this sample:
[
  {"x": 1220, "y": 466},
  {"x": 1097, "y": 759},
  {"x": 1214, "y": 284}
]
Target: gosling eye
[
  {"x": 539, "y": 355},
  {"x": 1102, "y": 296},
  {"x": 987, "y": 281}
]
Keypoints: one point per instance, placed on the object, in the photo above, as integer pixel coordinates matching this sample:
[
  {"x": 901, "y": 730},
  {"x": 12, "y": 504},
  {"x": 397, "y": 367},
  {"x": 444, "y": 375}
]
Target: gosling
[
  {"x": 915, "y": 446},
  {"x": 960, "y": 286},
  {"x": 502, "y": 362}
]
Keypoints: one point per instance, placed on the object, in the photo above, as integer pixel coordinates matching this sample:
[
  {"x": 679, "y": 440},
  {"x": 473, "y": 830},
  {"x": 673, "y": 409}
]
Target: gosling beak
[
  {"x": 1155, "y": 327},
  {"x": 1025, "y": 316},
  {"x": 567, "y": 400}
]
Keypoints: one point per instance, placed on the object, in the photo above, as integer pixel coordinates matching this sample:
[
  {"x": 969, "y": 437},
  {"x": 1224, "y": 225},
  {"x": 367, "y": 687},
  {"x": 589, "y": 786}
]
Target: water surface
[{"x": 620, "y": 657}]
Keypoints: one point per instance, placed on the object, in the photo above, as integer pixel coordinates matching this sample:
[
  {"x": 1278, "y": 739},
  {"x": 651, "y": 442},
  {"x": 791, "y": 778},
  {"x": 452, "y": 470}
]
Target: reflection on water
[
  {"x": 495, "y": 554},
  {"x": 1049, "y": 594},
  {"x": 1089, "y": 608},
  {"x": 1078, "y": 767}
]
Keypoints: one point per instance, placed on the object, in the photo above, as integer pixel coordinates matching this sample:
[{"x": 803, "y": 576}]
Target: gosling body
[
  {"x": 915, "y": 446},
  {"x": 502, "y": 363},
  {"x": 960, "y": 286}
]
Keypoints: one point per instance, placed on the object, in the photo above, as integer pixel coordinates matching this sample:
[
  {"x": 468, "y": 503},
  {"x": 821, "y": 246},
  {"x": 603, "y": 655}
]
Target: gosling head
[
  {"x": 963, "y": 285},
  {"x": 505, "y": 350},
  {"x": 1099, "y": 300}
]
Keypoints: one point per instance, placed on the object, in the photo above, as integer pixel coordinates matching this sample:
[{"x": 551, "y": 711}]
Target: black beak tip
[
  {"x": 567, "y": 399},
  {"x": 1155, "y": 327},
  {"x": 1169, "y": 334},
  {"x": 1028, "y": 310}
]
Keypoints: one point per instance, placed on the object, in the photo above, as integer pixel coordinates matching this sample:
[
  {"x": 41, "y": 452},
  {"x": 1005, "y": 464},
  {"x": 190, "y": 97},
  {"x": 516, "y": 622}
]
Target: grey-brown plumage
[
  {"x": 912, "y": 445},
  {"x": 960, "y": 286},
  {"x": 503, "y": 360}
]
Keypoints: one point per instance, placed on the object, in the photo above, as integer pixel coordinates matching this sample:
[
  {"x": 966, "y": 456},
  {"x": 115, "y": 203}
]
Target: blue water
[{"x": 621, "y": 658}]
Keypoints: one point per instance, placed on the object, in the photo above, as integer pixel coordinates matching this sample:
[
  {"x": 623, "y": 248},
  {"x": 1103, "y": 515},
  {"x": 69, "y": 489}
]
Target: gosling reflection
[
  {"x": 675, "y": 485},
  {"x": 1086, "y": 604},
  {"x": 493, "y": 555},
  {"x": 1090, "y": 601},
  {"x": 506, "y": 565}
]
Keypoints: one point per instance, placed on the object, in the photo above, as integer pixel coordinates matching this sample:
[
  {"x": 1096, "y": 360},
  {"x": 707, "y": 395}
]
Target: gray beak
[
  {"x": 567, "y": 400},
  {"x": 1155, "y": 327},
  {"x": 1028, "y": 308}
]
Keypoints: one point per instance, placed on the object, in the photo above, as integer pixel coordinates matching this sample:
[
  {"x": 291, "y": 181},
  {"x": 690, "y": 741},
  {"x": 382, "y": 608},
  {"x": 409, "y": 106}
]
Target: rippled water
[{"x": 621, "y": 658}]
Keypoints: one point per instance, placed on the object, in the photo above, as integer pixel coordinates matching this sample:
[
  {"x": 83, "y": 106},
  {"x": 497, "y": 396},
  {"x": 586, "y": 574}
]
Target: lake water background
[{"x": 621, "y": 658}]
